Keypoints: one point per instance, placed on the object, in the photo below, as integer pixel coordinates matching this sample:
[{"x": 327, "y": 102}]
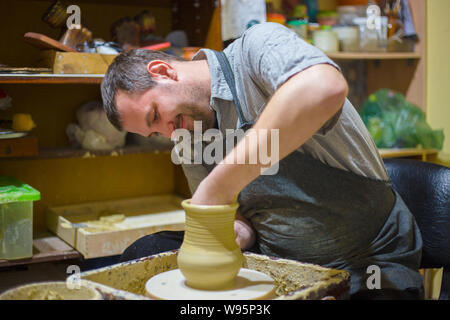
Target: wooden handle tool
[{"x": 43, "y": 42}]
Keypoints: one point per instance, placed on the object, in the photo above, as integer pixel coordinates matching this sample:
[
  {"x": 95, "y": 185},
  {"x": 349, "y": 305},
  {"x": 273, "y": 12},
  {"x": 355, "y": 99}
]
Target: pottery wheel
[{"x": 249, "y": 285}]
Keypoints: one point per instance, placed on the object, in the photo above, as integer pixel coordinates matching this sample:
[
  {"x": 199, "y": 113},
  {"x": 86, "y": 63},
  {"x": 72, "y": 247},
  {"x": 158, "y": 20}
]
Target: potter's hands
[
  {"x": 209, "y": 192},
  {"x": 245, "y": 235}
]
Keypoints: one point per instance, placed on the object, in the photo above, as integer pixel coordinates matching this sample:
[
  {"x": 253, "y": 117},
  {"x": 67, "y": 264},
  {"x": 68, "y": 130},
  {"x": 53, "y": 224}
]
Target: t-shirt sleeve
[{"x": 275, "y": 53}]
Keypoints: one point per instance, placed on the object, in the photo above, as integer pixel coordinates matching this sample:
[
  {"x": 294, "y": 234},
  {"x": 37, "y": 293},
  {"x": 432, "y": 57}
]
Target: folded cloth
[{"x": 407, "y": 20}]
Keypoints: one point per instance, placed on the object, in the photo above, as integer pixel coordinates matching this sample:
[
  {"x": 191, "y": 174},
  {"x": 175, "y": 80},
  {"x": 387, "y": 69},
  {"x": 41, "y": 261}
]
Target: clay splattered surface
[{"x": 294, "y": 280}]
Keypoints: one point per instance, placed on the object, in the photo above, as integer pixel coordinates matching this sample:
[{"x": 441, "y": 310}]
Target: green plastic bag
[{"x": 394, "y": 122}]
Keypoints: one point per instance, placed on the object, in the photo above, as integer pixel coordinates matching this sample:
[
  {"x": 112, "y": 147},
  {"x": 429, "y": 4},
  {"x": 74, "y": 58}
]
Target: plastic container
[
  {"x": 276, "y": 17},
  {"x": 327, "y": 18},
  {"x": 347, "y": 14},
  {"x": 16, "y": 218},
  {"x": 300, "y": 27},
  {"x": 326, "y": 40},
  {"x": 300, "y": 11},
  {"x": 373, "y": 35}
]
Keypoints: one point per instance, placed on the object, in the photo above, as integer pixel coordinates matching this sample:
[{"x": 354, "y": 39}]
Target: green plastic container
[{"x": 16, "y": 218}]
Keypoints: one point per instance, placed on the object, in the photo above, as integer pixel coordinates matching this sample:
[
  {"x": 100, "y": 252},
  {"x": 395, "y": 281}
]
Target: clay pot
[{"x": 209, "y": 257}]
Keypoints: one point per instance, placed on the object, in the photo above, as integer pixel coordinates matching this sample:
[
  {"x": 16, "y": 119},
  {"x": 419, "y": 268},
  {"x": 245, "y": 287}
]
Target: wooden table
[{"x": 47, "y": 249}]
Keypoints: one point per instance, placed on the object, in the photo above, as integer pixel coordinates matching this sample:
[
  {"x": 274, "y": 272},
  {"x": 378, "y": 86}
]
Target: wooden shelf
[
  {"x": 49, "y": 153},
  {"x": 52, "y": 153},
  {"x": 68, "y": 152},
  {"x": 47, "y": 249},
  {"x": 51, "y": 78},
  {"x": 97, "y": 78},
  {"x": 373, "y": 55},
  {"x": 424, "y": 154},
  {"x": 151, "y": 3}
]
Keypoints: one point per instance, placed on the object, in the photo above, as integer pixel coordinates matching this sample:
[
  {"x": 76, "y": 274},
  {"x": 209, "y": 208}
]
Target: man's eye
[{"x": 154, "y": 134}]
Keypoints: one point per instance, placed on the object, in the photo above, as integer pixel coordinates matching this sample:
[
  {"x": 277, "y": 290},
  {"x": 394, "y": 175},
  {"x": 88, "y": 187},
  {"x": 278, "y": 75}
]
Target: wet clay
[
  {"x": 209, "y": 257},
  {"x": 57, "y": 290},
  {"x": 105, "y": 223},
  {"x": 35, "y": 294}
]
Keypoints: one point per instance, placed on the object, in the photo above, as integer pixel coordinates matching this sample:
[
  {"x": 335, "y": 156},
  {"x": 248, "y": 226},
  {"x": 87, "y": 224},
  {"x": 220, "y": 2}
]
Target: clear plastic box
[{"x": 16, "y": 218}]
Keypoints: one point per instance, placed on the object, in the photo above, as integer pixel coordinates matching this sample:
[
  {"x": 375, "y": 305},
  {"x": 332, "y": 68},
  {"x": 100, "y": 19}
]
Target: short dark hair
[{"x": 128, "y": 72}]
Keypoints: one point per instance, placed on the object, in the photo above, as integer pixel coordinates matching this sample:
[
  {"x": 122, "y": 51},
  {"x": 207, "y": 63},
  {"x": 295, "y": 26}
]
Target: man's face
[{"x": 164, "y": 108}]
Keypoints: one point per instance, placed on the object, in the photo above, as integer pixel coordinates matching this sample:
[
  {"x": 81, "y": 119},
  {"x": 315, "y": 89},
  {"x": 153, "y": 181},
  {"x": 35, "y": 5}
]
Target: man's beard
[{"x": 195, "y": 111}]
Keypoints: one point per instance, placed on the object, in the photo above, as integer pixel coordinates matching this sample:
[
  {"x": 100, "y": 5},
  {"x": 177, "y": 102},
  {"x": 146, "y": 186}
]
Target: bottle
[{"x": 300, "y": 27}]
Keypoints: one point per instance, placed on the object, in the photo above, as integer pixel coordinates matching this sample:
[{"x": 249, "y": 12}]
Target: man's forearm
[{"x": 299, "y": 108}]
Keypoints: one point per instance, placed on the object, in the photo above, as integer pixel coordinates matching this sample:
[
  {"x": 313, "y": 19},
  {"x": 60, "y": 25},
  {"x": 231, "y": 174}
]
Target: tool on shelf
[{"x": 43, "y": 42}]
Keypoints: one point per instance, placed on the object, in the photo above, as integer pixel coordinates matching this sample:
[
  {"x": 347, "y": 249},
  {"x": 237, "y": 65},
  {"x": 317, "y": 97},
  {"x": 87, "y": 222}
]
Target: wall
[
  {"x": 438, "y": 94},
  {"x": 438, "y": 69}
]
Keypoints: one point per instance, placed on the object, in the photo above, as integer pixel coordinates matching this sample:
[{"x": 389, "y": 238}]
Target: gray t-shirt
[{"x": 264, "y": 58}]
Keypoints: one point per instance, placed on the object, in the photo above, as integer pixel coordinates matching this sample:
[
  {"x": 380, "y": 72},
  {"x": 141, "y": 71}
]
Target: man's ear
[{"x": 161, "y": 70}]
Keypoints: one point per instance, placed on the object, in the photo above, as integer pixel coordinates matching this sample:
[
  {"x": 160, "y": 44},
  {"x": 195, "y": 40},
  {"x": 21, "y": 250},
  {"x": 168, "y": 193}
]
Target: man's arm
[
  {"x": 298, "y": 109},
  {"x": 194, "y": 173}
]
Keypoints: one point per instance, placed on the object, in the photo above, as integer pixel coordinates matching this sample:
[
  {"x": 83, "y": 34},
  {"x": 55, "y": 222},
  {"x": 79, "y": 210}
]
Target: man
[{"x": 330, "y": 202}]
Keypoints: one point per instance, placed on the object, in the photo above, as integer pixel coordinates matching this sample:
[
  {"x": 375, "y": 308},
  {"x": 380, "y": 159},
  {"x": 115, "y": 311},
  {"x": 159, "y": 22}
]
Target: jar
[
  {"x": 348, "y": 37},
  {"x": 326, "y": 40}
]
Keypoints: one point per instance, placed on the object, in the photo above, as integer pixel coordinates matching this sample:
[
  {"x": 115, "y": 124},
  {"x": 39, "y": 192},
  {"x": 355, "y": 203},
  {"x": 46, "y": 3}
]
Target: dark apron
[{"x": 315, "y": 213}]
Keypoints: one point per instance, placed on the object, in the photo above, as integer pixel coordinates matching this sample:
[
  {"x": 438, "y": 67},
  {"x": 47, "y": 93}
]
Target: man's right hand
[{"x": 245, "y": 235}]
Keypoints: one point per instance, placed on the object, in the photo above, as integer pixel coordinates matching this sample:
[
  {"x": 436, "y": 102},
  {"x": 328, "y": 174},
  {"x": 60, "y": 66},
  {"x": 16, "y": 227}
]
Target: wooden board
[
  {"x": 214, "y": 36},
  {"x": 373, "y": 55},
  {"x": 19, "y": 147},
  {"x": 51, "y": 78},
  {"x": 75, "y": 62},
  {"x": 23, "y": 70},
  {"x": 43, "y": 42},
  {"x": 143, "y": 216},
  {"x": 423, "y": 154}
]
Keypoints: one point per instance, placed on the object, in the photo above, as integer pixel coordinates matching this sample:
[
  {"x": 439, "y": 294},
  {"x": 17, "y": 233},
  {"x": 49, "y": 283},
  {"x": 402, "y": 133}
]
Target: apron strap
[{"x": 229, "y": 77}]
